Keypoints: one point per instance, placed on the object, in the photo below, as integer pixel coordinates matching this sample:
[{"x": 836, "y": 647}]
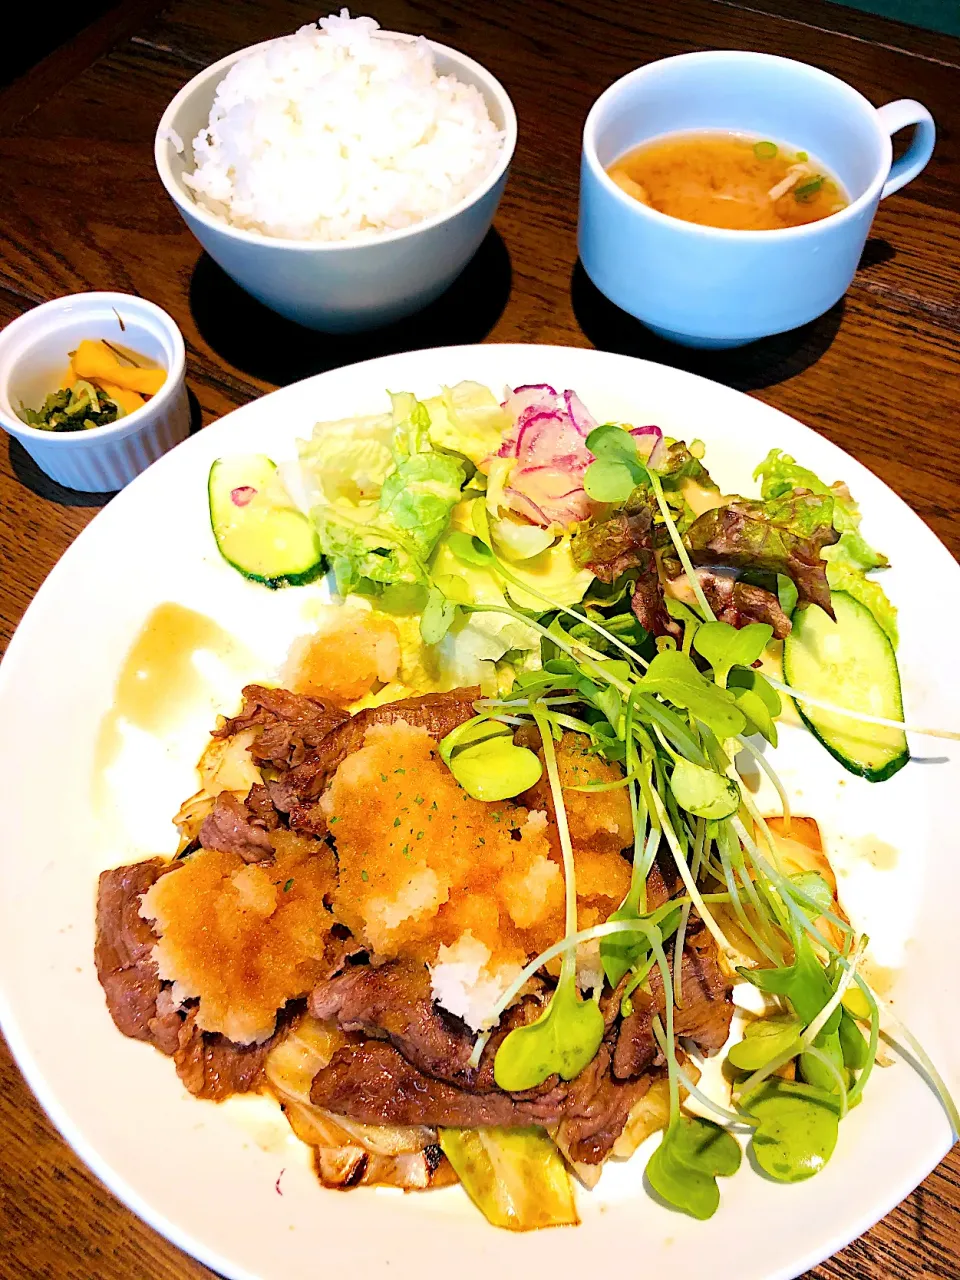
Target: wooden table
[{"x": 83, "y": 209}]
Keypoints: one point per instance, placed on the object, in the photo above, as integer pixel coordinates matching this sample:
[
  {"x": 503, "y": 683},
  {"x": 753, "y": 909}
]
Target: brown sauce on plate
[{"x": 159, "y": 679}]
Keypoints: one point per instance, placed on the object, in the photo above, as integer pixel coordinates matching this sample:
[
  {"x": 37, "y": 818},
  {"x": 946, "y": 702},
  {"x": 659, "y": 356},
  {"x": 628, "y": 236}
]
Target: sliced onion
[
  {"x": 648, "y": 440},
  {"x": 548, "y": 440},
  {"x": 190, "y": 817},
  {"x": 226, "y": 764},
  {"x": 538, "y": 431},
  {"x": 580, "y": 415},
  {"x": 339, "y": 1167},
  {"x": 306, "y": 1049},
  {"x": 532, "y": 393},
  {"x": 519, "y": 540},
  {"x": 523, "y": 506},
  {"x": 657, "y": 454}
]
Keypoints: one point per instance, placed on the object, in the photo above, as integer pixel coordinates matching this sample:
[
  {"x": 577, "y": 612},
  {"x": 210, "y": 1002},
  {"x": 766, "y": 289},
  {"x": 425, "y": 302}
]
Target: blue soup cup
[{"x": 711, "y": 287}]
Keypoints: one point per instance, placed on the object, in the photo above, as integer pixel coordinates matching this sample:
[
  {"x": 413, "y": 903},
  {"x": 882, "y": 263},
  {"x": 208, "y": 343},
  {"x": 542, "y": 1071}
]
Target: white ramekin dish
[
  {"x": 34, "y": 353},
  {"x": 339, "y": 286}
]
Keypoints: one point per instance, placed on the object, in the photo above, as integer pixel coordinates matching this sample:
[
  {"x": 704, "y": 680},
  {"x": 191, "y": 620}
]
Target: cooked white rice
[{"x": 338, "y": 133}]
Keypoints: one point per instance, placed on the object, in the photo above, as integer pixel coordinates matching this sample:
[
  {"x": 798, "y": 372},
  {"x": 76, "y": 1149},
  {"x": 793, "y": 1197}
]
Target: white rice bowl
[{"x": 340, "y": 132}]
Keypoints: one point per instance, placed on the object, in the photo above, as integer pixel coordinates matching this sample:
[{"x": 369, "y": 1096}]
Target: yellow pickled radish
[
  {"x": 95, "y": 361},
  {"x": 147, "y": 382},
  {"x": 92, "y": 359},
  {"x": 126, "y": 399}
]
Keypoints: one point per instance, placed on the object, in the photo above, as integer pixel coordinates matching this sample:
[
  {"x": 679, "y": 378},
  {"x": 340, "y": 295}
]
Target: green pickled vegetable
[{"x": 78, "y": 408}]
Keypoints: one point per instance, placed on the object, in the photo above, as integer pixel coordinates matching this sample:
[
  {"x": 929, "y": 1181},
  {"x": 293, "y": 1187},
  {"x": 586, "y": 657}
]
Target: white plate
[{"x": 207, "y": 1176}]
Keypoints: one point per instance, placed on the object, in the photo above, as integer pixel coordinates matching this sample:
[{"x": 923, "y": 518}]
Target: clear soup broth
[{"x": 729, "y": 180}]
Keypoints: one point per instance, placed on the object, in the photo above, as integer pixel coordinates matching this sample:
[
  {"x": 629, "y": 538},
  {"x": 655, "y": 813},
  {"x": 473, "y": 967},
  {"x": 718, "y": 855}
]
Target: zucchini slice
[
  {"x": 258, "y": 529},
  {"x": 850, "y": 663}
]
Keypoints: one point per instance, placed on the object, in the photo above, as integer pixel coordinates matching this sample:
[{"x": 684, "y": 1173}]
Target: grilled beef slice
[
  {"x": 596, "y": 1108},
  {"x": 421, "y": 1076},
  {"x": 209, "y": 1065},
  {"x": 373, "y": 1082},
  {"x": 290, "y": 724},
  {"x": 309, "y": 819},
  {"x": 740, "y": 603},
  {"x": 395, "y": 1000},
  {"x": 438, "y": 713},
  {"x": 261, "y": 809},
  {"x": 704, "y": 1016},
  {"x": 229, "y": 828},
  {"x": 124, "y": 956},
  {"x": 213, "y": 1067}
]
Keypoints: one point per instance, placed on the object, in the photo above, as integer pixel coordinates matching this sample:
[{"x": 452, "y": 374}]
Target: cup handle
[{"x": 899, "y": 115}]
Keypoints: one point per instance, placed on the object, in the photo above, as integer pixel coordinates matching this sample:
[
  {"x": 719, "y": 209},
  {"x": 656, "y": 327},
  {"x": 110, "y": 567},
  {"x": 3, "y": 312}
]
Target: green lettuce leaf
[
  {"x": 419, "y": 495},
  {"x": 851, "y": 557},
  {"x": 783, "y": 535},
  {"x": 842, "y": 577},
  {"x": 476, "y": 646},
  {"x": 348, "y": 460},
  {"x": 388, "y": 541},
  {"x": 853, "y": 550},
  {"x": 779, "y": 474},
  {"x": 467, "y": 419},
  {"x": 365, "y": 555}
]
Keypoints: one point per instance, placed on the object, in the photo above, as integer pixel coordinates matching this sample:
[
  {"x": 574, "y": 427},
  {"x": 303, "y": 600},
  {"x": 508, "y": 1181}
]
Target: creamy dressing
[{"x": 699, "y": 499}]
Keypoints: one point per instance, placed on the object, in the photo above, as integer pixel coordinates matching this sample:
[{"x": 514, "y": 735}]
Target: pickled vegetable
[
  {"x": 97, "y": 360},
  {"x": 100, "y": 386}
]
